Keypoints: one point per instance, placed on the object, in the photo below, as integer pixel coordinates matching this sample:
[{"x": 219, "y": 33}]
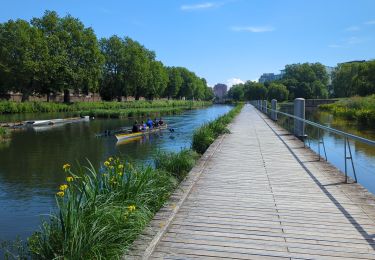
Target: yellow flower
[
  {"x": 131, "y": 208},
  {"x": 66, "y": 167},
  {"x": 120, "y": 174},
  {"x": 121, "y": 166},
  {"x": 110, "y": 159},
  {"x": 107, "y": 163},
  {"x": 111, "y": 167},
  {"x": 69, "y": 178},
  {"x": 60, "y": 194},
  {"x": 63, "y": 187}
]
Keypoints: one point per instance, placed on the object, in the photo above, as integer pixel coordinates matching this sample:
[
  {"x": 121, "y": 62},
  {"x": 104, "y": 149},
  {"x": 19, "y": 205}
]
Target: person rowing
[
  {"x": 161, "y": 122},
  {"x": 135, "y": 128},
  {"x": 149, "y": 123}
]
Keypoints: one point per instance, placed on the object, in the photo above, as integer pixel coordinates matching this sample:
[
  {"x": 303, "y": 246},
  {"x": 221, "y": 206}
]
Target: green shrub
[{"x": 177, "y": 164}]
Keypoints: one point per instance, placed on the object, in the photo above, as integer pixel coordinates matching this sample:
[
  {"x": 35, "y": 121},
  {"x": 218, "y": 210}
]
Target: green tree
[
  {"x": 174, "y": 83},
  {"x": 307, "y": 80},
  {"x": 21, "y": 53},
  {"x": 255, "y": 91},
  {"x": 277, "y": 91},
  {"x": 113, "y": 77},
  {"x": 74, "y": 56},
  {"x": 137, "y": 68},
  {"x": 236, "y": 92},
  {"x": 158, "y": 80}
]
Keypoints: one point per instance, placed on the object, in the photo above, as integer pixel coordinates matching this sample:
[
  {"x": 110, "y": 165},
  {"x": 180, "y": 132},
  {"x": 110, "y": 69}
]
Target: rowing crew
[{"x": 149, "y": 124}]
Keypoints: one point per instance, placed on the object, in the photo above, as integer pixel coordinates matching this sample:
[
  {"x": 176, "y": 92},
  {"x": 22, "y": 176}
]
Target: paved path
[{"x": 263, "y": 196}]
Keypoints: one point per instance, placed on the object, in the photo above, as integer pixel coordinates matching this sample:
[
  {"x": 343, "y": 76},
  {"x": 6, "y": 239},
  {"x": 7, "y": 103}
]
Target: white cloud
[
  {"x": 353, "y": 29},
  {"x": 371, "y": 22},
  {"x": 335, "y": 46},
  {"x": 234, "y": 81},
  {"x": 199, "y": 6},
  {"x": 253, "y": 29},
  {"x": 353, "y": 40}
]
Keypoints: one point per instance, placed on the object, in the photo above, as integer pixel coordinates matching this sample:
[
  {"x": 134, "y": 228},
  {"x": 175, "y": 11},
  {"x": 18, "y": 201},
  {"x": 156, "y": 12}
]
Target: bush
[
  {"x": 204, "y": 136},
  {"x": 177, "y": 164},
  {"x": 360, "y": 109}
]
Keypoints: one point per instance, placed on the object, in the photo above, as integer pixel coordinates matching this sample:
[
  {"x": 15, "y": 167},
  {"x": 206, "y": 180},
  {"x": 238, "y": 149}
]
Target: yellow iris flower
[
  {"x": 66, "y": 166},
  {"x": 69, "y": 178},
  {"x": 63, "y": 187},
  {"x": 60, "y": 194}
]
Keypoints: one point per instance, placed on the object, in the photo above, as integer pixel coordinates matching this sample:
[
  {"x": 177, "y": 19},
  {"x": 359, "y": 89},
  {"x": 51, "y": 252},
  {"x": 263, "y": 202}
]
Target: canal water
[
  {"x": 31, "y": 164},
  {"x": 363, "y": 154}
]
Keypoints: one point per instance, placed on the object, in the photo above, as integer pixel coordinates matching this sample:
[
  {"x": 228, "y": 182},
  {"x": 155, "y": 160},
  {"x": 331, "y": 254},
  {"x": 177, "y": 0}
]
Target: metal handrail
[{"x": 329, "y": 129}]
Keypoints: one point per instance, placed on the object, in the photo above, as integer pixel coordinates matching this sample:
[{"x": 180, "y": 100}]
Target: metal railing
[{"x": 262, "y": 106}]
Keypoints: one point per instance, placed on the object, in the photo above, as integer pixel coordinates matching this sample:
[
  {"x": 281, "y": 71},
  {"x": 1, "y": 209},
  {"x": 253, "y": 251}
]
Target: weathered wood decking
[{"x": 258, "y": 194}]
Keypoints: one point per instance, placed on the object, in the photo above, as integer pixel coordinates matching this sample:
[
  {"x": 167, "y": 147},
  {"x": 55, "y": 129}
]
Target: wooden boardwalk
[{"x": 260, "y": 194}]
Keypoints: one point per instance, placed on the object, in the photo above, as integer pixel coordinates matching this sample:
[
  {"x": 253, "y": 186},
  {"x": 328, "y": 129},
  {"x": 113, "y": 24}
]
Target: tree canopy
[{"x": 54, "y": 54}]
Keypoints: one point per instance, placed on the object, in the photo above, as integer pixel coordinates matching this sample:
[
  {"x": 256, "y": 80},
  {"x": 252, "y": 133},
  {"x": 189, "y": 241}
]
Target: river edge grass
[
  {"x": 101, "y": 212},
  {"x": 359, "y": 109},
  {"x": 10, "y": 107}
]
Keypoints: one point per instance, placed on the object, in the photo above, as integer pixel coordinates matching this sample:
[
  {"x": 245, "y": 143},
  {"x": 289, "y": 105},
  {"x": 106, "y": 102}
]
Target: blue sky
[{"x": 229, "y": 40}]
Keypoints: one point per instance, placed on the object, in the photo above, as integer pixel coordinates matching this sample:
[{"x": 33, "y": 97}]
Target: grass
[
  {"x": 359, "y": 109},
  {"x": 4, "y": 134},
  {"x": 9, "y": 107},
  {"x": 101, "y": 212},
  {"x": 204, "y": 136},
  {"x": 135, "y": 112}
]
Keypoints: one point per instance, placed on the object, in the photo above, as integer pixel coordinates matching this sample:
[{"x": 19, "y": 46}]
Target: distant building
[
  {"x": 269, "y": 77},
  {"x": 329, "y": 71},
  {"x": 220, "y": 90}
]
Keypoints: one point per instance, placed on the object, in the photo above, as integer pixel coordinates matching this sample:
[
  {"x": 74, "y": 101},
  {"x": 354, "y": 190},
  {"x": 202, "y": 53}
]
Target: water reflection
[{"x": 30, "y": 165}]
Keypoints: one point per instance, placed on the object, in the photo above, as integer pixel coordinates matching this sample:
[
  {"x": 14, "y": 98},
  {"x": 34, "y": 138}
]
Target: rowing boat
[{"x": 130, "y": 136}]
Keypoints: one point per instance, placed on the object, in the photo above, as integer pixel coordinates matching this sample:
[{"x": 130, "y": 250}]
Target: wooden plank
[{"x": 255, "y": 200}]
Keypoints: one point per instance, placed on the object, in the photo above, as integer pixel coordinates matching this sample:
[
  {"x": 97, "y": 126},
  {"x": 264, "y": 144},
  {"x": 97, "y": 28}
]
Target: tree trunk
[
  {"x": 48, "y": 97},
  {"x": 66, "y": 96},
  {"x": 119, "y": 98},
  {"x": 25, "y": 96}
]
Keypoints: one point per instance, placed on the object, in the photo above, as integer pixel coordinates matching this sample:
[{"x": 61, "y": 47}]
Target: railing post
[
  {"x": 274, "y": 107},
  {"x": 265, "y": 106},
  {"x": 260, "y": 105},
  {"x": 299, "y": 111}
]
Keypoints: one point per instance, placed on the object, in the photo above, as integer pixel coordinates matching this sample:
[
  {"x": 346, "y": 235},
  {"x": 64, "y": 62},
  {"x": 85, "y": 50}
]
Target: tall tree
[
  {"x": 113, "y": 78},
  {"x": 174, "y": 83},
  {"x": 158, "y": 80},
  {"x": 137, "y": 67},
  {"x": 307, "y": 80},
  {"x": 21, "y": 53}
]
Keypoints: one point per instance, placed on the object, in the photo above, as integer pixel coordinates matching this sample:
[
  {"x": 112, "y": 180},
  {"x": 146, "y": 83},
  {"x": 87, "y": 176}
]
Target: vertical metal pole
[
  {"x": 274, "y": 108},
  {"x": 319, "y": 142},
  {"x": 351, "y": 159},
  {"x": 346, "y": 170}
]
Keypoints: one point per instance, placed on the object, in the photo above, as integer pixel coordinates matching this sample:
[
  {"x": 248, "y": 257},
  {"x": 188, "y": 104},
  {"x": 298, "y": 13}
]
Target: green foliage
[
  {"x": 204, "y": 136},
  {"x": 237, "y": 92},
  {"x": 178, "y": 164},
  {"x": 307, "y": 80},
  {"x": 355, "y": 78},
  {"x": 101, "y": 213},
  {"x": 255, "y": 91},
  {"x": 8, "y": 107},
  {"x": 277, "y": 91},
  {"x": 54, "y": 54},
  {"x": 359, "y": 109}
]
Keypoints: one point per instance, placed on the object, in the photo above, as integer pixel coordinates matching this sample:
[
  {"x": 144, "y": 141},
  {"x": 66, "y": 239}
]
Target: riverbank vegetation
[
  {"x": 204, "y": 136},
  {"x": 4, "y": 134},
  {"x": 354, "y": 78},
  {"x": 8, "y": 107},
  {"x": 360, "y": 109},
  {"x": 100, "y": 212},
  {"x": 52, "y": 54}
]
